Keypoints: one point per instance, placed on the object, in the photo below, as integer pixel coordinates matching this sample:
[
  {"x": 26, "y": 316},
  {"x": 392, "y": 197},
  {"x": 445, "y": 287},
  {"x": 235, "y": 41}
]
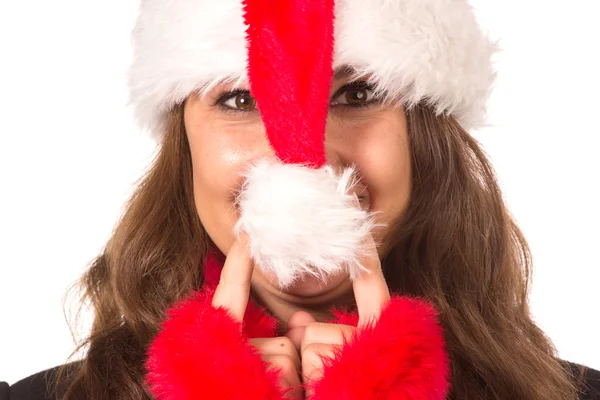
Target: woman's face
[{"x": 225, "y": 134}]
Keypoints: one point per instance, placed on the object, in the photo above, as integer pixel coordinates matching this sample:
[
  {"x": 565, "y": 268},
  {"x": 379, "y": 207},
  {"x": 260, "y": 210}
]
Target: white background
[{"x": 70, "y": 155}]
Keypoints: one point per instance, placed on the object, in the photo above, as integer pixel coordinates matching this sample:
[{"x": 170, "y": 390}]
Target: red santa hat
[{"x": 300, "y": 214}]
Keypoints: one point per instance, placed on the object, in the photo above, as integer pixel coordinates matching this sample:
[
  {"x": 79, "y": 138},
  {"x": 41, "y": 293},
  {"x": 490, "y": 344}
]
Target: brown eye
[
  {"x": 245, "y": 102},
  {"x": 354, "y": 95},
  {"x": 242, "y": 101}
]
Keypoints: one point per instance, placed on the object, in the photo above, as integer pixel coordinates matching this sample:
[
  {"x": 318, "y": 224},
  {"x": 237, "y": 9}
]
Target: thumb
[{"x": 297, "y": 325}]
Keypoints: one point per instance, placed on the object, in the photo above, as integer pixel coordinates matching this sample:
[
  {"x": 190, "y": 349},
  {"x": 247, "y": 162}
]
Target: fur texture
[
  {"x": 400, "y": 357},
  {"x": 202, "y": 353},
  {"x": 302, "y": 221},
  {"x": 287, "y": 73},
  {"x": 415, "y": 50}
]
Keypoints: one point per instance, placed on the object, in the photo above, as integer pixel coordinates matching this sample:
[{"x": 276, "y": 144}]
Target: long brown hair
[{"x": 456, "y": 245}]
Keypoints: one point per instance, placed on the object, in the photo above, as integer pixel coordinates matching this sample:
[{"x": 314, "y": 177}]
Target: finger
[
  {"x": 296, "y": 326},
  {"x": 299, "y": 319},
  {"x": 296, "y": 335},
  {"x": 277, "y": 346},
  {"x": 312, "y": 362},
  {"x": 233, "y": 289},
  {"x": 329, "y": 334},
  {"x": 289, "y": 378},
  {"x": 371, "y": 291}
]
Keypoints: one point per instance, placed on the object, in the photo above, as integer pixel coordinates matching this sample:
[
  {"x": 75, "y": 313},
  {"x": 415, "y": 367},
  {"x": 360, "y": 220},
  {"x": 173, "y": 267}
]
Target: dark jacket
[{"x": 35, "y": 387}]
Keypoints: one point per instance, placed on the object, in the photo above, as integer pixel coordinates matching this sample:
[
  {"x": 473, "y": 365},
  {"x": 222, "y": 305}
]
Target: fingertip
[
  {"x": 370, "y": 247},
  {"x": 242, "y": 239},
  {"x": 299, "y": 319},
  {"x": 371, "y": 291}
]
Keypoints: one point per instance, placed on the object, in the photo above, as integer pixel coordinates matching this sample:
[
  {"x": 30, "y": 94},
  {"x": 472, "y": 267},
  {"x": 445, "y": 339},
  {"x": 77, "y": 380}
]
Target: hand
[
  {"x": 315, "y": 340},
  {"x": 232, "y": 293},
  {"x": 280, "y": 353}
]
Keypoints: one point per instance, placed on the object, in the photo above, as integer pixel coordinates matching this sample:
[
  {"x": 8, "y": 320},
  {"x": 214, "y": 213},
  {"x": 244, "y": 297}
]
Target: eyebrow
[{"x": 343, "y": 72}]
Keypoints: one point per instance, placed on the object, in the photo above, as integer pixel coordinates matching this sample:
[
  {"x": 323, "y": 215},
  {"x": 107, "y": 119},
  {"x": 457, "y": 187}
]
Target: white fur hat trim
[
  {"x": 303, "y": 221},
  {"x": 413, "y": 50}
]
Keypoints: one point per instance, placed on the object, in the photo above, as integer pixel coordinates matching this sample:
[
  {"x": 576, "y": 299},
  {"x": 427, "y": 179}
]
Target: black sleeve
[
  {"x": 34, "y": 387},
  {"x": 591, "y": 385},
  {"x": 587, "y": 380},
  {"x": 4, "y": 391},
  {"x": 37, "y": 387}
]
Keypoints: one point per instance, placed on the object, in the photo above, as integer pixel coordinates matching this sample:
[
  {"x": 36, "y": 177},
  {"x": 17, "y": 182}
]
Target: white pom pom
[{"x": 302, "y": 221}]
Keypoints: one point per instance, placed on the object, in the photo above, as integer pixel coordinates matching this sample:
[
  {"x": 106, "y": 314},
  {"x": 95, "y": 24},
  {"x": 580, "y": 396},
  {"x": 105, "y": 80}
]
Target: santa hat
[{"x": 300, "y": 214}]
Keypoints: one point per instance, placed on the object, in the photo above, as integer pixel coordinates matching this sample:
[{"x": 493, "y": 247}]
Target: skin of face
[{"x": 225, "y": 134}]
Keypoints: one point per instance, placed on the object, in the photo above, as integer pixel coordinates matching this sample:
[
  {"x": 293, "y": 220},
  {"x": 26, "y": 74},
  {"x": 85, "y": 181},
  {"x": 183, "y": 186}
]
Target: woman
[{"x": 183, "y": 311}]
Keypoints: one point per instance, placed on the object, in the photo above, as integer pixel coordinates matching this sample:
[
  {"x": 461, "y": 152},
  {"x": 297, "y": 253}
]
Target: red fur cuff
[
  {"x": 201, "y": 352},
  {"x": 401, "y": 357}
]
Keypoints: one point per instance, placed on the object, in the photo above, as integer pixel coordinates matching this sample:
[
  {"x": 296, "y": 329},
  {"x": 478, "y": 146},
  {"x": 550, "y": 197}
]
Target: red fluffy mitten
[
  {"x": 203, "y": 352},
  {"x": 401, "y": 357}
]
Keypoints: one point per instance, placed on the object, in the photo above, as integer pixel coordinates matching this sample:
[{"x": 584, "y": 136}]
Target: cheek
[
  {"x": 220, "y": 153},
  {"x": 214, "y": 177},
  {"x": 382, "y": 154}
]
